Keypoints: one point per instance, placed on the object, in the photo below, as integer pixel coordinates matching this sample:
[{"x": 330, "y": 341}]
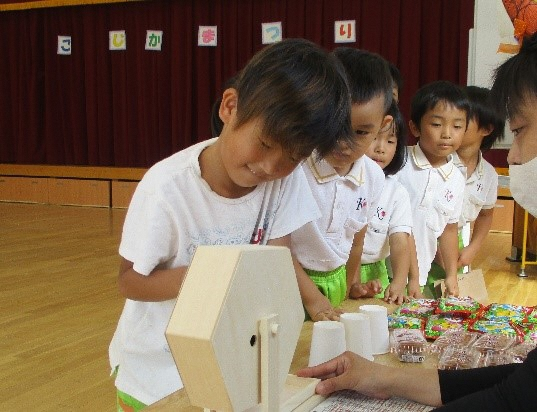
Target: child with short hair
[
  {"x": 389, "y": 230},
  {"x": 291, "y": 98},
  {"x": 346, "y": 185},
  {"x": 439, "y": 117},
  {"x": 484, "y": 129}
]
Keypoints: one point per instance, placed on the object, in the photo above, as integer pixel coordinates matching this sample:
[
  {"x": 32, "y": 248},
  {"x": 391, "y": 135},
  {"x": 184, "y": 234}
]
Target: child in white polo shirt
[
  {"x": 389, "y": 230},
  {"x": 346, "y": 185},
  {"x": 243, "y": 187},
  {"x": 439, "y": 117},
  {"x": 484, "y": 129}
]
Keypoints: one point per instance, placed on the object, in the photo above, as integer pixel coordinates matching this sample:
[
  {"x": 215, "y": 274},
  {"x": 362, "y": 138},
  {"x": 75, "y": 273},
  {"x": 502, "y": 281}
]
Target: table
[{"x": 178, "y": 401}]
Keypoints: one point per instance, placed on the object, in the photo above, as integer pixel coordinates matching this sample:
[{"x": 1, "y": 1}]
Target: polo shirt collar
[
  {"x": 421, "y": 161},
  {"x": 324, "y": 172}
]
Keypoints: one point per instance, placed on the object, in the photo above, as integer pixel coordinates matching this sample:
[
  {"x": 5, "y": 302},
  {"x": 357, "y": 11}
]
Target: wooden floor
[{"x": 59, "y": 303}]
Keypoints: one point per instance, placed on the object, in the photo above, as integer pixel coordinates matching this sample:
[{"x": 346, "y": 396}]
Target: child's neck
[
  {"x": 469, "y": 156},
  {"x": 214, "y": 173},
  {"x": 343, "y": 170}
]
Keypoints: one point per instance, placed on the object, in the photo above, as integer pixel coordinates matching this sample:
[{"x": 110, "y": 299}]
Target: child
[
  {"x": 346, "y": 185},
  {"x": 439, "y": 117},
  {"x": 389, "y": 230},
  {"x": 291, "y": 98},
  {"x": 493, "y": 388},
  {"x": 484, "y": 128}
]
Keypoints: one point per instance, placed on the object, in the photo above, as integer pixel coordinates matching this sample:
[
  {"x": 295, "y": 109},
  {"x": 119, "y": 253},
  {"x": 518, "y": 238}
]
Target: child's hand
[
  {"x": 327, "y": 314},
  {"x": 365, "y": 290},
  {"x": 466, "y": 256},
  {"x": 452, "y": 286},
  {"x": 395, "y": 293},
  {"x": 414, "y": 290}
]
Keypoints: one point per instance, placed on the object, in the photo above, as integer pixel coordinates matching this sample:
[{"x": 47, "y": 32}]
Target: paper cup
[
  {"x": 378, "y": 322},
  {"x": 357, "y": 333},
  {"x": 327, "y": 341}
]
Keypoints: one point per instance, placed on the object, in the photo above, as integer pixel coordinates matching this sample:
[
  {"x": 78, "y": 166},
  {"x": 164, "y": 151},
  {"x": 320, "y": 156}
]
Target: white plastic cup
[
  {"x": 327, "y": 341},
  {"x": 378, "y": 322},
  {"x": 358, "y": 334}
]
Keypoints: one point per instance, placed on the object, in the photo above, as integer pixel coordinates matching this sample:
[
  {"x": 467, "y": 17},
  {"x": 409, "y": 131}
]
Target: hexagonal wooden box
[{"x": 213, "y": 332}]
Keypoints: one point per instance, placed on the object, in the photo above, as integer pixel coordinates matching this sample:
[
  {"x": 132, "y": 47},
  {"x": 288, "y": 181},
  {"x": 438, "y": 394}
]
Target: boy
[
  {"x": 346, "y": 184},
  {"x": 291, "y": 98},
  {"x": 439, "y": 117},
  {"x": 484, "y": 129}
]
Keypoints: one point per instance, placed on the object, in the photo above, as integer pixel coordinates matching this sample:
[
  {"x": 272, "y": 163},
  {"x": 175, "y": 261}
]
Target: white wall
[{"x": 492, "y": 26}]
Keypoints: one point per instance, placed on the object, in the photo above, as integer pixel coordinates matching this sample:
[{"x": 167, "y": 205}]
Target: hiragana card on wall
[
  {"x": 271, "y": 32},
  {"x": 153, "y": 40},
  {"x": 345, "y": 31},
  {"x": 64, "y": 45},
  {"x": 117, "y": 40},
  {"x": 207, "y": 36}
]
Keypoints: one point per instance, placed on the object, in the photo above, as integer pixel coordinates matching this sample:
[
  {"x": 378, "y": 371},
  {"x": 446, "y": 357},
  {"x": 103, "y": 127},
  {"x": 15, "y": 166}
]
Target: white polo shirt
[
  {"x": 481, "y": 190},
  {"x": 174, "y": 210},
  {"x": 391, "y": 215},
  {"x": 436, "y": 196},
  {"x": 346, "y": 203}
]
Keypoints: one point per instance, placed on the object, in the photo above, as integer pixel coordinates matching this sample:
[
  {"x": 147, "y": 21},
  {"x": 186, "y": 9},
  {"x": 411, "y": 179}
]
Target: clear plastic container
[
  {"x": 489, "y": 342},
  {"x": 520, "y": 352},
  {"x": 409, "y": 345},
  {"x": 459, "y": 357},
  {"x": 453, "y": 337},
  {"x": 493, "y": 358}
]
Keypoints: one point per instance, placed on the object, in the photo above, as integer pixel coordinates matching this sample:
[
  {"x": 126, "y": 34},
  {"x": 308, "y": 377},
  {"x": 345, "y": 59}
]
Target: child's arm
[
  {"x": 352, "y": 267},
  {"x": 413, "y": 286},
  {"x": 316, "y": 304},
  {"x": 448, "y": 242},
  {"x": 400, "y": 259},
  {"x": 480, "y": 231},
  {"x": 159, "y": 285}
]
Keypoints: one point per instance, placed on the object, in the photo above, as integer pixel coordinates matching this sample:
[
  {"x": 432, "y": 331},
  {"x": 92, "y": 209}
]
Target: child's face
[
  {"x": 474, "y": 135},
  {"x": 382, "y": 149},
  {"x": 366, "y": 119},
  {"x": 440, "y": 132},
  {"x": 247, "y": 156},
  {"x": 524, "y": 128}
]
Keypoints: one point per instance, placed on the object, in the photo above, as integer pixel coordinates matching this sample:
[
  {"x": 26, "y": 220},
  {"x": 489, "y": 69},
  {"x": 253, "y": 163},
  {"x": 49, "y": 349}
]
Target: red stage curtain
[{"x": 132, "y": 108}]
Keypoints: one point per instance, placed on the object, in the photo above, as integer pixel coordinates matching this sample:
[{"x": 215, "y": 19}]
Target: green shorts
[
  {"x": 332, "y": 284},
  {"x": 125, "y": 402},
  {"x": 437, "y": 272},
  {"x": 373, "y": 271}
]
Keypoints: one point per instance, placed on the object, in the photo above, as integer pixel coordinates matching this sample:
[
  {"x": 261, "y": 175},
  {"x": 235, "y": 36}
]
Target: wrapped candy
[
  {"x": 405, "y": 322},
  {"x": 459, "y": 306},
  {"x": 504, "y": 312},
  {"x": 492, "y": 327},
  {"x": 417, "y": 308},
  {"x": 438, "y": 324}
]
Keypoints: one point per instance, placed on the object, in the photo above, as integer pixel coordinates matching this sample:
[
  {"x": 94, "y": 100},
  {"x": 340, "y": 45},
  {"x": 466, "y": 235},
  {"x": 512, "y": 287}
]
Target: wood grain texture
[{"x": 59, "y": 303}]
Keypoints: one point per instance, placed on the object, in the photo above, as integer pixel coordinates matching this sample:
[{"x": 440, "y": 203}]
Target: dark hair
[
  {"x": 300, "y": 93},
  {"x": 216, "y": 122},
  {"x": 368, "y": 75},
  {"x": 484, "y": 113},
  {"x": 516, "y": 79},
  {"x": 398, "y": 129},
  {"x": 396, "y": 76},
  {"x": 428, "y": 96}
]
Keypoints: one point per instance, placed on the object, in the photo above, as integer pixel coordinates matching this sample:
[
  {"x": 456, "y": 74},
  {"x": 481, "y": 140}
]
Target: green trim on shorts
[
  {"x": 332, "y": 283},
  {"x": 373, "y": 271},
  {"x": 131, "y": 404},
  {"x": 125, "y": 400}
]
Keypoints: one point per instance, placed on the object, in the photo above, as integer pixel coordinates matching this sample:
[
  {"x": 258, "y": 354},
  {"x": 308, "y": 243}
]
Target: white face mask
[{"x": 523, "y": 185}]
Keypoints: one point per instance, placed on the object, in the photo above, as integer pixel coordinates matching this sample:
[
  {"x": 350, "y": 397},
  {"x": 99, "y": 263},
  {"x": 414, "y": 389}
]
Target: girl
[{"x": 389, "y": 230}]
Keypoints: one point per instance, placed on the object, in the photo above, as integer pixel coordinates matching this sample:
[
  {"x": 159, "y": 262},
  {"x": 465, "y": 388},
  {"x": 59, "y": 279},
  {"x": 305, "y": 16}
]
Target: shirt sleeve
[{"x": 498, "y": 388}]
